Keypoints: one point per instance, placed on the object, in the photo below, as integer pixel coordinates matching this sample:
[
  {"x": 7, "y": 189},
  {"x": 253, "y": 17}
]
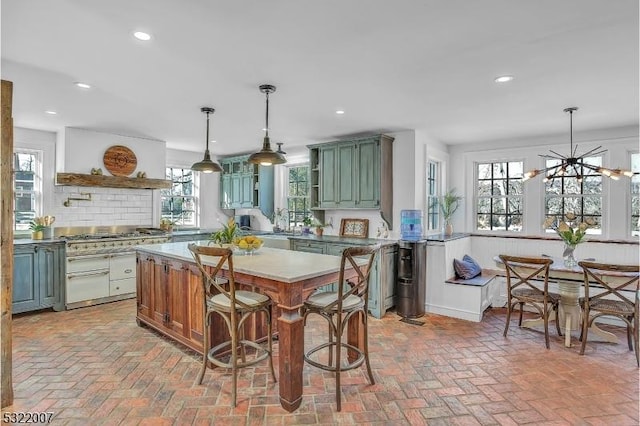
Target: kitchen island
[{"x": 169, "y": 299}]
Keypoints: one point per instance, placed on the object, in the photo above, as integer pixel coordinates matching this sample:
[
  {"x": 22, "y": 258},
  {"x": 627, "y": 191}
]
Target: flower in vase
[{"x": 570, "y": 231}]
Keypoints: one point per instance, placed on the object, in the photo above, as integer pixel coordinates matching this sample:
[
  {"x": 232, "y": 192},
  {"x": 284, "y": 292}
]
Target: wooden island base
[{"x": 169, "y": 300}]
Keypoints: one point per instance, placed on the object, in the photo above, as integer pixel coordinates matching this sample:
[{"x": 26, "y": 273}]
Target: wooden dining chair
[
  {"x": 523, "y": 288},
  {"x": 221, "y": 297},
  {"x": 617, "y": 296},
  {"x": 351, "y": 298}
]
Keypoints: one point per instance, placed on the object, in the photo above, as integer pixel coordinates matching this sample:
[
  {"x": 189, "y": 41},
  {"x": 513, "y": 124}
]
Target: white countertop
[{"x": 281, "y": 265}]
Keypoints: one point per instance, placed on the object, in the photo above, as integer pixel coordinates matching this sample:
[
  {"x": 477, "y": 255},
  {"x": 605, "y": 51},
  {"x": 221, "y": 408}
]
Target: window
[
  {"x": 499, "y": 196},
  {"x": 179, "y": 202},
  {"x": 27, "y": 184},
  {"x": 433, "y": 183},
  {"x": 298, "y": 199},
  {"x": 578, "y": 191},
  {"x": 635, "y": 194}
]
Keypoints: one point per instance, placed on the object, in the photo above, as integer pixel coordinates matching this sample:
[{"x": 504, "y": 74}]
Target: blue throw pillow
[{"x": 466, "y": 268}]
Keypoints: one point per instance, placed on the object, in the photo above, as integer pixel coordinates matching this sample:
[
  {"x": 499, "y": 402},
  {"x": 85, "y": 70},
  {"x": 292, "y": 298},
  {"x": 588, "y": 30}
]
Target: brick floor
[{"x": 95, "y": 366}]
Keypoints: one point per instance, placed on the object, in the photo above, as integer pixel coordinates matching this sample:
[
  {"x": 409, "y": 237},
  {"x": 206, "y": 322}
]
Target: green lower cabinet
[
  {"x": 383, "y": 274},
  {"x": 38, "y": 277}
]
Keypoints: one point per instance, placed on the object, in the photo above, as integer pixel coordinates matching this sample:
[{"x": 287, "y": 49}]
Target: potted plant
[
  {"x": 37, "y": 230},
  {"x": 306, "y": 224},
  {"x": 226, "y": 235},
  {"x": 449, "y": 203},
  {"x": 166, "y": 225}
]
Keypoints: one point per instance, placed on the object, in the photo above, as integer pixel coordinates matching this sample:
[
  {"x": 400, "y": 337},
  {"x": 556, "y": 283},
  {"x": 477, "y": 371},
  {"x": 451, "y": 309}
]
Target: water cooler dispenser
[{"x": 412, "y": 266}]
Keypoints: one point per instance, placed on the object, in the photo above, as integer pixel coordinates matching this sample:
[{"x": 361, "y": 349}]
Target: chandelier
[{"x": 571, "y": 162}]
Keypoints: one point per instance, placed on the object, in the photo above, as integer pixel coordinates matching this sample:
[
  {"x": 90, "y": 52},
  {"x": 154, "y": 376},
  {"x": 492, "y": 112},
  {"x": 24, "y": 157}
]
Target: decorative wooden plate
[{"x": 120, "y": 160}]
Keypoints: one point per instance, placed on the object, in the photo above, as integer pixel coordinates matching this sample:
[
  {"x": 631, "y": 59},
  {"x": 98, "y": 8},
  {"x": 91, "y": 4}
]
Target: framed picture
[{"x": 356, "y": 228}]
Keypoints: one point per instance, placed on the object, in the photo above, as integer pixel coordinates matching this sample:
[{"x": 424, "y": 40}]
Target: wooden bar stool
[
  {"x": 337, "y": 308},
  {"x": 235, "y": 307}
]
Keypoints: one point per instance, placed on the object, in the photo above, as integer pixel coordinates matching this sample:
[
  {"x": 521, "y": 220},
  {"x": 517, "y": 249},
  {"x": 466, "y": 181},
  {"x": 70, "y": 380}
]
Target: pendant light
[
  {"x": 266, "y": 156},
  {"x": 206, "y": 165},
  {"x": 279, "y": 150}
]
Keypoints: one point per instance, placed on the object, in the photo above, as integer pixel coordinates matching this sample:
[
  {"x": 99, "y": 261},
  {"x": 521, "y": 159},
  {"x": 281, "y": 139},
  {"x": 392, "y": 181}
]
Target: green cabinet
[
  {"x": 353, "y": 174},
  {"x": 245, "y": 185},
  {"x": 383, "y": 274},
  {"x": 38, "y": 275}
]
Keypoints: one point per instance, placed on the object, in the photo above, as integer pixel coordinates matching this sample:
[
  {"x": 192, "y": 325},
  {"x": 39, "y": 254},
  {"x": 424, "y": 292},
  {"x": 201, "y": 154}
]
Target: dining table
[
  {"x": 570, "y": 279},
  {"x": 287, "y": 277}
]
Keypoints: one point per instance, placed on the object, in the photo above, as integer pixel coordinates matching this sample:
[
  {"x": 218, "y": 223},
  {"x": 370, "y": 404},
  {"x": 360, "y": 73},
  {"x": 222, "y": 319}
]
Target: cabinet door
[
  {"x": 236, "y": 191},
  {"x": 49, "y": 261},
  {"x": 144, "y": 284},
  {"x": 368, "y": 174},
  {"x": 177, "y": 295},
  {"x": 246, "y": 197},
  {"x": 225, "y": 191},
  {"x": 346, "y": 175},
  {"x": 388, "y": 275},
  {"x": 328, "y": 173},
  {"x": 265, "y": 188},
  {"x": 158, "y": 303},
  {"x": 26, "y": 291},
  {"x": 374, "y": 289}
]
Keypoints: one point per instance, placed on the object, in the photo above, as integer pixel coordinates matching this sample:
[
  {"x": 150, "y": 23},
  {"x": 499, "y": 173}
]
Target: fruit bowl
[{"x": 248, "y": 244}]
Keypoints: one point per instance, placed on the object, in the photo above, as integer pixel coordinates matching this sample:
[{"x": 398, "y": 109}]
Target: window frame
[
  {"x": 580, "y": 216},
  {"x": 294, "y": 217},
  {"x": 636, "y": 175},
  {"x": 195, "y": 197},
  {"x": 37, "y": 191},
  {"x": 507, "y": 197},
  {"x": 433, "y": 182}
]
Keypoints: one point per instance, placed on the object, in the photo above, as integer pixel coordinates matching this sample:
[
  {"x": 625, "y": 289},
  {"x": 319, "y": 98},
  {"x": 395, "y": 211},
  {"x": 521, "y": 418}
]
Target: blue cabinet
[
  {"x": 353, "y": 174},
  {"x": 245, "y": 185},
  {"x": 38, "y": 276},
  {"x": 383, "y": 274}
]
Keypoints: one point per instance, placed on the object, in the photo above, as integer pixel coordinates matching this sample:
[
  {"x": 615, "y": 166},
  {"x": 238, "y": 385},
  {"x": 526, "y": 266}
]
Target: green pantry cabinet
[
  {"x": 246, "y": 185},
  {"x": 38, "y": 276},
  {"x": 383, "y": 276},
  {"x": 353, "y": 174}
]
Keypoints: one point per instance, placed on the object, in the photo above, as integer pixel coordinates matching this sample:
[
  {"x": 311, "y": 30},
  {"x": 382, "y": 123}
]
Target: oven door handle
[
  {"x": 124, "y": 253},
  {"x": 88, "y": 274},
  {"x": 89, "y": 256}
]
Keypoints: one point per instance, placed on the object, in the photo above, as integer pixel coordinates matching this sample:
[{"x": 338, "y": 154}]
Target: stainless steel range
[{"x": 101, "y": 262}]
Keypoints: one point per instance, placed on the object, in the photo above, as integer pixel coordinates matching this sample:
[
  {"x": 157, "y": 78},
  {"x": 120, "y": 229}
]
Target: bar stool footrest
[
  {"x": 331, "y": 345},
  {"x": 261, "y": 354}
]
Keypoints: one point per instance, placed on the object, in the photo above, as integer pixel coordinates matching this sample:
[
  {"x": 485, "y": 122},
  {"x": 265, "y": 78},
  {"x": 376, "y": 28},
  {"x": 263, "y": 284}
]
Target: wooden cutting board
[{"x": 120, "y": 160}]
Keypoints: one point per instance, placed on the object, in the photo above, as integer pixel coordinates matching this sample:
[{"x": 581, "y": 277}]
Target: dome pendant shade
[
  {"x": 267, "y": 156},
  {"x": 207, "y": 165}
]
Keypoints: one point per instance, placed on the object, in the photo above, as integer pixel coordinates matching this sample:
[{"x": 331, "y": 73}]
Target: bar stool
[
  {"x": 235, "y": 307},
  {"x": 618, "y": 298},
  {"x": 337, "y": 308}
]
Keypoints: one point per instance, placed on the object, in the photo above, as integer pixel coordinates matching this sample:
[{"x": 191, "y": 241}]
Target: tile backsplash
[{"x": 108, "y": 206}]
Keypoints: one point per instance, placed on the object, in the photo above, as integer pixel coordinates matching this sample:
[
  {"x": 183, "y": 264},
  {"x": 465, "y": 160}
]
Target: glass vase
[{"x": 569, "y": 260}]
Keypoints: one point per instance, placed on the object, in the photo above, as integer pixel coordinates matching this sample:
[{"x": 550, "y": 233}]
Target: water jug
[{"x": 411, "y": 225}]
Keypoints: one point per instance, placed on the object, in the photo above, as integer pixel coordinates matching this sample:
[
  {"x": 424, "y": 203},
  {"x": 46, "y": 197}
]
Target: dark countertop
[
  {"x": 343, "y": 240},
  {"x": 22, "y": 241},
  {"x": 441, "y": 238}
]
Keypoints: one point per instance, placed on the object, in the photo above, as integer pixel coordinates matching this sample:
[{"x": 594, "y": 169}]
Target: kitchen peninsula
[{"x": 169, "y": 299}]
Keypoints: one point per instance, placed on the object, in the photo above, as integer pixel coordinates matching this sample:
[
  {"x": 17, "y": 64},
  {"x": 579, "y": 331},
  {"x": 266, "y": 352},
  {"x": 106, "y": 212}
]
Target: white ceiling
[{"x": 427, "y": 65}]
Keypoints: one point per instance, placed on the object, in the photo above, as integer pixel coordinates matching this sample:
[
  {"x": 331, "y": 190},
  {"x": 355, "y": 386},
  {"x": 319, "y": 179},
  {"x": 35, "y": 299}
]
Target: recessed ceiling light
[
  {"x": 140, "y": 35},
  {"x": 82, "y": 85},
  {"x": 340, "y": 111},
  {"x": 503, "y": 79},
  {"x": 213, "y": 141},
  {"x": 50, "y": 112}
]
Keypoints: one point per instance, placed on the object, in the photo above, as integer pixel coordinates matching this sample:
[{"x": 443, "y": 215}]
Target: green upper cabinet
[
  {"x": 353, "y": 174},
  {"x": 245, "y": 185}
]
